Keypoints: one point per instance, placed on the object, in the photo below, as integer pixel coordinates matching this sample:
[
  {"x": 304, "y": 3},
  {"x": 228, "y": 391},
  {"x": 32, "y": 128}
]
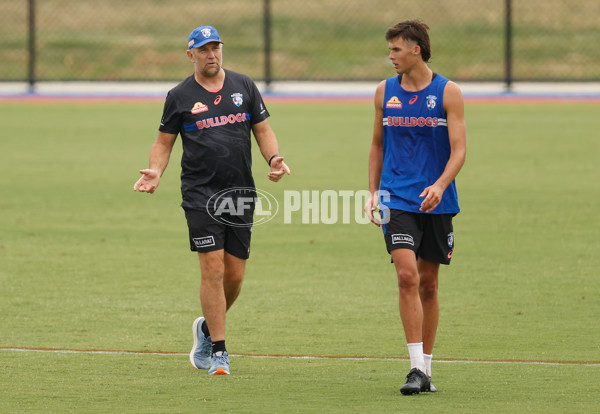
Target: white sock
[
  {"x": 416, "y": 356},
  {"x": 428, "y": 359}
]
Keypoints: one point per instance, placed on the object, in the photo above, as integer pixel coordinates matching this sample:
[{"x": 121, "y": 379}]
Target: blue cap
[{"x": 203, "y": 35}]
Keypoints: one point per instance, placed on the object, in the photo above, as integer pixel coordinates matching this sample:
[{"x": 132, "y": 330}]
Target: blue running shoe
[
  {"x": 219, "y": 364},
  {"x": 201, "y": 352}
]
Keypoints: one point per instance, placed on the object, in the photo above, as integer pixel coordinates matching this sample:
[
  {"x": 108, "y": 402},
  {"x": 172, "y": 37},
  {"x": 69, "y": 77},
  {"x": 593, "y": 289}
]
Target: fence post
[
  {"x": 267, "y": 34},
  {"x": 508, "y": 47},
  {"x": 31, "y": 61}
]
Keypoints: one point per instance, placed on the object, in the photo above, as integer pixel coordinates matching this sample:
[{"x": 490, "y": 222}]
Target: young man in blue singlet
[{"x": 418, "y": 148}]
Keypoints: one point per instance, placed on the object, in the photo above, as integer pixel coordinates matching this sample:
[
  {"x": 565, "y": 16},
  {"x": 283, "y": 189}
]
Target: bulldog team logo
[
  {"x": 451, "y": 240},
  {"x": 450, "y": 245},
  {"x": 394, "y": 102},
  {"x": 238, "y": 99},
  {"x": 199, "y": 107},
  {"x": 431, "y": 101},
  {"x": 206, "y": 33}
]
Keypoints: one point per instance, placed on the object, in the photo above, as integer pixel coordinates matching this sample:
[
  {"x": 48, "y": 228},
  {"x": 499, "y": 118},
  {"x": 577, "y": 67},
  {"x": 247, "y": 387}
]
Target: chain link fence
[{"x": 275, "y": 40}]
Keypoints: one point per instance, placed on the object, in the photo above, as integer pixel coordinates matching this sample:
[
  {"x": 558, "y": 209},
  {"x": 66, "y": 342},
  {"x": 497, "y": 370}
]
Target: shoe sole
[
  {"x": 414, "y": 391},
  {"x": 220, "y": 371},
  {"x": 195, "y": 332}
]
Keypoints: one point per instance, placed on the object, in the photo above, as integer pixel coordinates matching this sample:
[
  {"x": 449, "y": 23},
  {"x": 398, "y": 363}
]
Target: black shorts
[
  {"x": 430, "y": 236},
  {"x": 209, "y": 233}
]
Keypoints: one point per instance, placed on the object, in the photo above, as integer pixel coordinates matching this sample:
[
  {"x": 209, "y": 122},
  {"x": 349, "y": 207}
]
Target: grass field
[
  {"x": 321, "y": 40},
  {"x": 87, "y": 264}
]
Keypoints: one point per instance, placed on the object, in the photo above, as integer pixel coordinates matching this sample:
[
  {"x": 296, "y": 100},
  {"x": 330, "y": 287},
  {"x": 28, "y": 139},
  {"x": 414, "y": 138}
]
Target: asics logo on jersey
[{"x": 413, "y": 99}]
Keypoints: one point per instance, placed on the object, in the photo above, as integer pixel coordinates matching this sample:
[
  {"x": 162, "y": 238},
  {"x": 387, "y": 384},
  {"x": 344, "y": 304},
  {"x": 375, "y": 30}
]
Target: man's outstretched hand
[{"x": 147, "y": 182}]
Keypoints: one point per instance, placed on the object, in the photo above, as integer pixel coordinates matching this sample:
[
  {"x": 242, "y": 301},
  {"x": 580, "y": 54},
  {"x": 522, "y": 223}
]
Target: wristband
[{"x": 271, "y": 159}]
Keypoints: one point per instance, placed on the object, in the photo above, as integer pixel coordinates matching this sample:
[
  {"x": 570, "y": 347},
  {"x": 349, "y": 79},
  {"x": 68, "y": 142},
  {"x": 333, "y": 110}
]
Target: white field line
[{"x": 305, "y": 357}]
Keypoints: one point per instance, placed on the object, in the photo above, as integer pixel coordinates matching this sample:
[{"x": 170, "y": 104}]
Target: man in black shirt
[{"x": 214, "y": 110}]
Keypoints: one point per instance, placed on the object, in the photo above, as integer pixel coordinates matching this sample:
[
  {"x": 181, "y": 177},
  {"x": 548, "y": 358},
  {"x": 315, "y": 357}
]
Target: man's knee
[
  {"x": 428, "y": 275},
  {"x": 234, "y": 269},
  {"x": 234, "y": 276},
  {"x": 428, "y": 288},
  {"x": 406, "y": 269},
  {"x": 212, "y": 265},
  {"x": 408, "y": 278}
]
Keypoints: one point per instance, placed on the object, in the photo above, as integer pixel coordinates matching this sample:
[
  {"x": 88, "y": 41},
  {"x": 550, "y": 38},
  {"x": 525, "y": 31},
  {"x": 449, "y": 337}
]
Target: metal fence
[{"x": 273, "y": 40}]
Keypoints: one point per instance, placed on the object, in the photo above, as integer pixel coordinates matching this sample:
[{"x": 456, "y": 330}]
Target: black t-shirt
[{"x": 215, "y": 129}]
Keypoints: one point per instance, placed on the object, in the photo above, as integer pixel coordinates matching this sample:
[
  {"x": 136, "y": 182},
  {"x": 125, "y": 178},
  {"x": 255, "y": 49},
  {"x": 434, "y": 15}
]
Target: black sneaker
[{"x": 416, "y": 381}]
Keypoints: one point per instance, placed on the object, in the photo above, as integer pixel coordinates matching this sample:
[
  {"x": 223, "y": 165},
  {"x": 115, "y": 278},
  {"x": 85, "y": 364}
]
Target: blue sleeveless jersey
[{"x": 416, "y": 147}]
